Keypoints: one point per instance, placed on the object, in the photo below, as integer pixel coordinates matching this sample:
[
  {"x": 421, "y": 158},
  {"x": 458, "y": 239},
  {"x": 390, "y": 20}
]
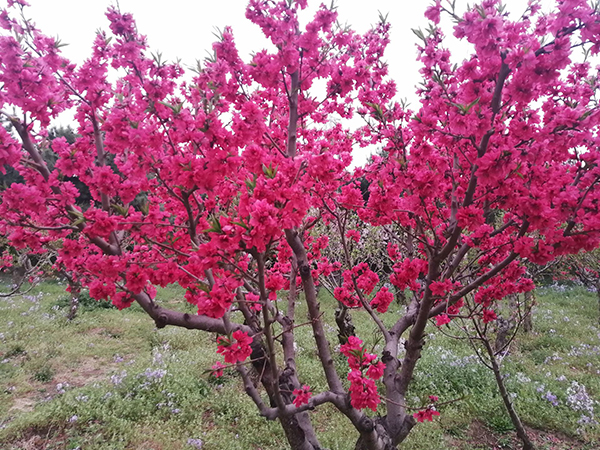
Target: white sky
[{"x": 184, "y": 29}]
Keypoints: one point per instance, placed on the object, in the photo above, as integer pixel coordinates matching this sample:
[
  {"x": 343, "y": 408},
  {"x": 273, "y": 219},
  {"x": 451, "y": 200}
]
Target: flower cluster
[
  {"x": 362, "y": 278},
  {"x": 302, "y": 396},
  {"x": 235, "y": 348},
  {"x": 428, "y": 413},
  {"x": 363, "y": 373}
]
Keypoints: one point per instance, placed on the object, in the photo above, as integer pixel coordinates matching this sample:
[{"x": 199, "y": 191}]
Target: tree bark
[
  {"x": 504, "y": 331},
  {"x": 387, "y": 441},
  {"x": 75, "y": 289},
  {"x": 528, "y": 319},
  {"x": 344, "y": 323},
  {"x": 298, "y": 428},
  {"x": 598, "y": 295}
]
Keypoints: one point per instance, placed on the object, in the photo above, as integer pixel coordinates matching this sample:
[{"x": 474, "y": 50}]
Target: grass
[{"x": 111, "y": 380}]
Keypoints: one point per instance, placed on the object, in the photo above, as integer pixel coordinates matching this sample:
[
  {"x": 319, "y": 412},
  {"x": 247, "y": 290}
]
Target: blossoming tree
[{"x": 216, "y": 183}]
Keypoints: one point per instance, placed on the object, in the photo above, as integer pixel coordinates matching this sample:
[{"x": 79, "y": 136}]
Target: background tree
[
  {"x": 229, "y": 168},
  {"x": 584, "y": 267},
  {"x": 491, "y": 338},
  {"x": 32, "y": 268}
]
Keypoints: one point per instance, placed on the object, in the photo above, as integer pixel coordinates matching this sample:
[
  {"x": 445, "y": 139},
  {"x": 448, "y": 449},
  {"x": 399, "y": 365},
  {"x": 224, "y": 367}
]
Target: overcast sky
[{"x": 184, "y": 28}]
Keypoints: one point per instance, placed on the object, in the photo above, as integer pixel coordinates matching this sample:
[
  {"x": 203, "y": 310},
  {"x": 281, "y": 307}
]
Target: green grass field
[{"x": 111, "y": 380}]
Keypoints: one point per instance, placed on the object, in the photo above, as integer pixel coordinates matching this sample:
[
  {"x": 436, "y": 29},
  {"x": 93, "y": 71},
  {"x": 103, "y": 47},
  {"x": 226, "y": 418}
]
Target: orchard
[{"x": 235, "y": 183}]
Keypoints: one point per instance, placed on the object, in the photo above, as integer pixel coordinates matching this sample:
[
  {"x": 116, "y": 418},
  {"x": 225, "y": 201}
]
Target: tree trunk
[
  {"x": 528, "y": 319},
  {"x": 299, "y": 432},
  {"x": 503, "y": 333},
  {"x": 598, "y": 295},
  {"x": 344, "y": 323},
  {"x": 298, "y": 428},
  {"x": 514, "y": 417},
  {"x": 75, "y": 289},
  {"x": 386, "y": 441}
]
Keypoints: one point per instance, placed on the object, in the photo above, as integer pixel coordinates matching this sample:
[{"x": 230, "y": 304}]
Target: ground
[{"x": 111, "y": 380}]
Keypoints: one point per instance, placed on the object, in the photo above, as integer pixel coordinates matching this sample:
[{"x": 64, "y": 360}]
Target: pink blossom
[
  {"x": 489, "y": 315},
  {"x": 235, "y": 349},
  {"x": 382, "y": 300},
  {"x": 426, "y": 414},
  {"x": 302, "y": 396},
  {"x": 217, "y": 369},
  {"x": 442, "y": 319}
]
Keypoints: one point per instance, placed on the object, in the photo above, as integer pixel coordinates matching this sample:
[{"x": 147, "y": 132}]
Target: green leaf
[
  {"x": 585, "y": 115},
  {"x": 473, "y": 103},
  {"x": 145, "y": 207},
  {"x": 215, "y": 225},
  {"x": 79, "y": 221},
  {"x": 269, "y": 172},
  {"x": 175, "y": 108},
  {"x": 59, "y": 44},
  {"x": 241, "y": 224},
  {"x": 382, "y": 18},
  {"x": 250, "y": 184},
  {"x": 419, "y": 34},
  {"x": 480, "y": 11},
  {"x": 203, "y": 286},
  {"x": 120, "y": 209},
  {"x": 377, "y": 111}
]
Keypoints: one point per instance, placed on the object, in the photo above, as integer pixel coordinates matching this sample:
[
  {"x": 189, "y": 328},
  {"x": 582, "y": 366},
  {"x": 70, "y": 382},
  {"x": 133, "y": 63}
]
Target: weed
[
  {"x": 15, "y": 350},
  {"x": 44, "y": 374}
]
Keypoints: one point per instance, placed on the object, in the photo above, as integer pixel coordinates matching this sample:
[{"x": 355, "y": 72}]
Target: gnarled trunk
[
  {"x": 387, "y": 439},
  {"x": 298, "y": 428},
  {"x": 344, "y": 323}
]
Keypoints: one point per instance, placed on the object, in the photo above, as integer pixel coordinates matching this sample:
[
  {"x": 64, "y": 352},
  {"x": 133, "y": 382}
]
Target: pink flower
[
  {"x": 236, "y": 349},
  {"x": 345, "y": 296},
  {"x": 217, "y": 369},
  {"x": 382, "y": 300},
  {"x": 136, "y": 279},
  {"x": 353, "y": 235},
  {"x": 375, "y": 371},
  {"x": 254, "y": 301},
  {"x": 489, "y": 315},
  {"x": 426, "y": 414},
  {"x": 100, "y": 290},
  {"x": 363, "y": 392},
  {"x": 442, "y": 319},
  {"x": 433, "y": 12},
  {"x": 122, "y": 300},
  {"x": 441, "y": 288},
  {"x": 302, "y": 396},
  {"x": 366, "y": 279}
]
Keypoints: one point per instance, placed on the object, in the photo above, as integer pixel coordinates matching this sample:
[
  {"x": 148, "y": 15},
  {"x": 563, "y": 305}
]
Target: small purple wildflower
[
  {"x": 551, "y": 398},
  {"x": 195, "y": 443}
]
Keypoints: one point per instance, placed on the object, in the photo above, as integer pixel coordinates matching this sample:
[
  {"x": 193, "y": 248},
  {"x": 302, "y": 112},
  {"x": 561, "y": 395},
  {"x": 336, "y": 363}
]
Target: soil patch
[{"x": 478, "y": 436}]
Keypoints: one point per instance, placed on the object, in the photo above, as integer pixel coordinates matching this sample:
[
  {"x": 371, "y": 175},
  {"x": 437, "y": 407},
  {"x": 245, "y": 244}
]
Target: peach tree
[{"x": 216, "y": 182}]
